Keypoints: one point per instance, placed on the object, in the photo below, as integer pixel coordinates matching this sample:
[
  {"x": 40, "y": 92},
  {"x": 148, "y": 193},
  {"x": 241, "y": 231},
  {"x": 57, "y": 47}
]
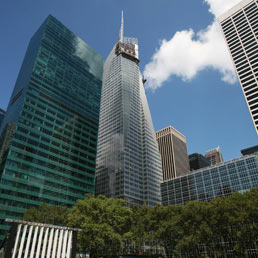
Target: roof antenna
[{"x": 121, "y": 33}]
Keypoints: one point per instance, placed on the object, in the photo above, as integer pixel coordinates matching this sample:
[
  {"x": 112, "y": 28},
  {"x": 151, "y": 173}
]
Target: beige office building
[
  {"x": 173, "y": 152},
  {"x": 239, "y": 26}
]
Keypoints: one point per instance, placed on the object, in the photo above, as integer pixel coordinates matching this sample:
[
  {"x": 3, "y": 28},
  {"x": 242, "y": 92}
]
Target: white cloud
[
  {"x": 218, "y": 7},
  {"x": 185, "y": 55}
]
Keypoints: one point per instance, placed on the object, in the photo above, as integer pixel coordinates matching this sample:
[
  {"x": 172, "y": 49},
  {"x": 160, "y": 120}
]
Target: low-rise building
[{"x": 239, "y": 175}]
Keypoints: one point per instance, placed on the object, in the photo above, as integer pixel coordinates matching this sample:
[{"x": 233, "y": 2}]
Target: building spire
[{"x": 121, "y": 33}]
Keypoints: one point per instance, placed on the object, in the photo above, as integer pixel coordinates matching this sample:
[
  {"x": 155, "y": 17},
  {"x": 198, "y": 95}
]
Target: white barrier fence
[{"x": 36, "y": 240}]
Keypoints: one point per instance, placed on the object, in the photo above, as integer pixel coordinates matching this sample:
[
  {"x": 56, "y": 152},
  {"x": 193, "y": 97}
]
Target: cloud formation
[
  {"x": 218, "y": 7},
  {"x": 187, "y": 53}
]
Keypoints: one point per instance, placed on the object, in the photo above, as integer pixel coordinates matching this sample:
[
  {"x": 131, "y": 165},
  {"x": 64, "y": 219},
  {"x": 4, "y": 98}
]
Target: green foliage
[
  {"x": 104, "y": 223},
  {"x": 109, "y": 226},
  {"x": 55, "y": 215},
  {"x": 139, "y": 228},
  {"x": 185, "y": 228},
  {"x": 165, "y": 226},
  {"x": 194, "y": 224}
]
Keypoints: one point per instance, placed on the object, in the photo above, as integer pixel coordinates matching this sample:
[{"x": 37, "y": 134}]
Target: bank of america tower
[{"x": 128, "y": 159}]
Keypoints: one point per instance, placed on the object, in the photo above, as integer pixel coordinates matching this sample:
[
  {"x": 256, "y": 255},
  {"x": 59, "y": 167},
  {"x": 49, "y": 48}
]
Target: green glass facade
[
  {"x": 2, "y": 114},
  {"x": 55, "y": 103}
]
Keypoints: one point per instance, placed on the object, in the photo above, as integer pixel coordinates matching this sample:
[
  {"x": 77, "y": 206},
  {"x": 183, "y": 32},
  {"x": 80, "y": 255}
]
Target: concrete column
[
  {"x": 39, "y": 243},
  {"x": 55, "y": 244},
  {"x": 28, "y": 242},
  {"x": 16, "y": 241},
  {"x": 68, "y": 253},
  {"x": 74, "y": 244},
  {"x": 60, "y": 244},
  {"x": 22, "y": 241},
  {"x": 50, "y": 243},
  {"x": 64, "y": 244},
  {"x": 45, "y": 243},
  {"x": 34, "y": 242}
]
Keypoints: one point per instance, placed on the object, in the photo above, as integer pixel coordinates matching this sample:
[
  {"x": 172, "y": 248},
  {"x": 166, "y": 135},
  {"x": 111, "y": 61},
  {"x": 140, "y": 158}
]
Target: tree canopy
[
  {"x": 110, "y": 228},
  {"x": 48, "y": 214},
  {"x": 104, "y": 223}
]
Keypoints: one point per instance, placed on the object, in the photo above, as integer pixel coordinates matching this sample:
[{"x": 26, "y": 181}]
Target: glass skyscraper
[
  {"x": 55, "y": 104},
  {"x": 2, "y": 114},
  {"x": 128, "y": 159},
  {"x": 239, "y": 26}
]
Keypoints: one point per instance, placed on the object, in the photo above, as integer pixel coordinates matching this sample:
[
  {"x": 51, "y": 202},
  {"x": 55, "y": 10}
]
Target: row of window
[
  {"x": 63, "y": 114},
  {"x": 17, "y": 188},
  {"x": 59, "y": 185},
  {"x": 85, "y": 175},
  {"x": 60, "y": 138},
  {"x": 35, "y": 146}
]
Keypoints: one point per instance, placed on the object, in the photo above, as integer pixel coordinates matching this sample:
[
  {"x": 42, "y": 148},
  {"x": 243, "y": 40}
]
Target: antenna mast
[{"x": 121, "y": 33}]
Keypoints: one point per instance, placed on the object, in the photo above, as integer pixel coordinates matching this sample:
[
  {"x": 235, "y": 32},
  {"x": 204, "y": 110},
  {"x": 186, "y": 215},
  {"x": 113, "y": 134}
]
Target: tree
[
  {"x": 56, "y": 215},
  {"x": 233, "y": 222},
  {"x": 104, "y": 223},
  {"x": 193, "y": 223},
  {"x": 138, "y": 235},
  {"x": 243, "y": 220},
  {"x": 108, "y": 225},
  {"x": 164, "y": 227}
]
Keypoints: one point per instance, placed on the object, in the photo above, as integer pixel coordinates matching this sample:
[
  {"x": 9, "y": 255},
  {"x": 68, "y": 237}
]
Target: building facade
[
  {"x": 173, "y": 151},
  {"x": 55, "y": 104},
  {"x": 250, "y": 150},
  {"x": 214, "y": 156},
  {"x": 239, "y": 26},
  {"x": 2, "y": 114},
  {"x": 205, "y": 184},
  {"x": 5, "y": 141},
  {"x": 197, "y": 161},
  {"x": 128, "y": 159}
]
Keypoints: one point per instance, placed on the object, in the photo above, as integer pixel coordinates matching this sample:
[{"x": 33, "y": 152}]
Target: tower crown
[{"x": 128, "y": 47}]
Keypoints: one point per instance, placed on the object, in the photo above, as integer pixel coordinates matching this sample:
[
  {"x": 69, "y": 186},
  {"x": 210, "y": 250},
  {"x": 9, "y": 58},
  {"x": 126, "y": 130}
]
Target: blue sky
[{"x": 190, "y": 81}]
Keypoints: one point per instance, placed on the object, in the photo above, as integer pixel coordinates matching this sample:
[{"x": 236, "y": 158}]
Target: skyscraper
[
  {"x": 214, "y": 156},
  {"x": 55, "y": 104},
  {"x": 173, "y": 151},
  {"x": 128, "y": 159},
  {"x": 2, "y": 114},
  {"x": 239, "y": 25},
  {"x": 197, "y": 161},
  {"x": 250, "y": 150},
  {"x": 5, "y": 141}
]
